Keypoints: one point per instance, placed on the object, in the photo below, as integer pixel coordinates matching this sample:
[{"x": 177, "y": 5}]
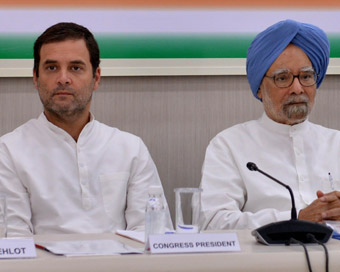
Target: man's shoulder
[
  {"x": 234, "y": 135},
  {"x": 112, "y": 137},
  {"x": 320, "y": 129},
  {"x": 116, "y": 133},
  {"x": 23, "y": 131},
  {"x": 237, "y": 129}
]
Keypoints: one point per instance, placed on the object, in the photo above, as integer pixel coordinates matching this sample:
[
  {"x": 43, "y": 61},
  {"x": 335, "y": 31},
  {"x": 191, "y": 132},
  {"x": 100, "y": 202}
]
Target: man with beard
[
  {"x": 286, "y": 63},
  {"x": 65, "y": 172}
]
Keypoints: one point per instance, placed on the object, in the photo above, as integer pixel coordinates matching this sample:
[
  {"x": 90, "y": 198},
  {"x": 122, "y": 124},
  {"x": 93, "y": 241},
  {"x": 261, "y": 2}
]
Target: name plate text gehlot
[{"x": 14, "y": 248}]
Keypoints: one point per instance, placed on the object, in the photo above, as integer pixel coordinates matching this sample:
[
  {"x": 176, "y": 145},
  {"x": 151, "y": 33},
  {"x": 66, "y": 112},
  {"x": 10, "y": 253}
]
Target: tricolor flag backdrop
[{"x": 169, "y": 37}]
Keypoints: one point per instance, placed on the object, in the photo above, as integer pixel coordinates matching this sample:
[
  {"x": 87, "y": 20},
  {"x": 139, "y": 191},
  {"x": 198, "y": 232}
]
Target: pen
[
  {"x": 330, "y": 178},
  {"x": 46, "y": 249},
  {"x": 41, "y": 247}
]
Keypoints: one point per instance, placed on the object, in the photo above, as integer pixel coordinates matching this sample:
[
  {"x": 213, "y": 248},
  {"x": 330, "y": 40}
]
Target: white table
[{"x": 253, "y": 257}]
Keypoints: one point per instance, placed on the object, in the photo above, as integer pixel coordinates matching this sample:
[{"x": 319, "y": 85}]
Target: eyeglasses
[{"x": 285, "y": 79}]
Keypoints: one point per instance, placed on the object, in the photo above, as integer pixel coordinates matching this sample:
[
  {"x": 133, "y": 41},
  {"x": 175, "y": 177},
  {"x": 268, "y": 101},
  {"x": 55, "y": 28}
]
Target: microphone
[
  {"x": 252, "y": 167},
  {"x": 283, "y": 231}
]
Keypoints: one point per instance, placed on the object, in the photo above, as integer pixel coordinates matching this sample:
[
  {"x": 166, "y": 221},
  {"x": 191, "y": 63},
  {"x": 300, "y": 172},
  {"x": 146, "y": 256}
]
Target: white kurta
[
  {"x": 301, "y": 156},
  {"x": 56, "y": 185}
]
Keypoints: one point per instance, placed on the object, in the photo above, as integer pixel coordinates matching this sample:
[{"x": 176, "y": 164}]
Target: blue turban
[{"x": 270, "y": 43}]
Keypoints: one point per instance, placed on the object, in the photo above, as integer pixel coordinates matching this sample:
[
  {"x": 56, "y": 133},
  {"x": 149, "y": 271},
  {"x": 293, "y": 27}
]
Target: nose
[
  {"x": 64, "y": 77},
  {"x": 296, "y": 87}
]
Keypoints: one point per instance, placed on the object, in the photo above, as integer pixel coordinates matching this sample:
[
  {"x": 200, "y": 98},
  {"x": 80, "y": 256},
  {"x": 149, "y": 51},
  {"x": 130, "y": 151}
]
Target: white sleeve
[
  {"x": 224, "y": 194},
  {"x": 17, "y": 197},
  {"x": 143, "y": 175}
]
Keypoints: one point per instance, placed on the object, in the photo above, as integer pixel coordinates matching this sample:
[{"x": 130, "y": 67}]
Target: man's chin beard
[
  {"x": 296, "y": 113},
  {"x": 65, "y": 113}
]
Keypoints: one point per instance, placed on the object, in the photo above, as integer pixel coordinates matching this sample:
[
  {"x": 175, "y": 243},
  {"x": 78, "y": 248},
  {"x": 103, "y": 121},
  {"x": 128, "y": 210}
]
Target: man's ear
[
  {"x": 97, "y": 79},
  {"x": 35, "y": 79},
  {"x": 259, "y": 93}
]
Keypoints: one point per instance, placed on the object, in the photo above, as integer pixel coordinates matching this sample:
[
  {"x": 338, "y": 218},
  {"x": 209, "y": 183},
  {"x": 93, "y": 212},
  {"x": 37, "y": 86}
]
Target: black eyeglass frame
[{"x": 294, "y": 76}]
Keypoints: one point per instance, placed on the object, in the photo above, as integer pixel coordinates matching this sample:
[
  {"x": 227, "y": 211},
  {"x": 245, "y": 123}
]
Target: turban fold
[{"x": 270, "y": 43}]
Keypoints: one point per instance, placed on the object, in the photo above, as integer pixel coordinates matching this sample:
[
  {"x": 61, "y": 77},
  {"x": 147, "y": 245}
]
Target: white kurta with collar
[
  {"x": 301, "y": 156},
  {"x": 56, "y": 185}
]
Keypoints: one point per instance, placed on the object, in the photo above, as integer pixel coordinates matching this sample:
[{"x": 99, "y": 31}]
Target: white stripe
[
  {"x": 153, "y": 67},
  {"x": 163, "y": 21}
]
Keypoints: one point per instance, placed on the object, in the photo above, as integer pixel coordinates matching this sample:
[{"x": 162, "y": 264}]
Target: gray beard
[{"x": 296, "y": 111}]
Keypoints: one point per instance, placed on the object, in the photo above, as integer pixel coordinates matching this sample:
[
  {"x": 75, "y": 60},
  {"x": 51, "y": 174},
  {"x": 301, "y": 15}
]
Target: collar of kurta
[
  {"x": 58, "y": 131},
  {"x": 282, "y": 128}
]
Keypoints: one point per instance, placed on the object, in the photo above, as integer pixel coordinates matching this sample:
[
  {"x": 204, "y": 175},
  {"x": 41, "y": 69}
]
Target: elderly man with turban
[{"x": 286, "y": 63}]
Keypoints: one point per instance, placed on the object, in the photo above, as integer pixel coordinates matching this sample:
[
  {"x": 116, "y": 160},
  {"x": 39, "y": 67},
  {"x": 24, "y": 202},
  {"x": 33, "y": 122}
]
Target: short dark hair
[{"x": 67, "y": 31}]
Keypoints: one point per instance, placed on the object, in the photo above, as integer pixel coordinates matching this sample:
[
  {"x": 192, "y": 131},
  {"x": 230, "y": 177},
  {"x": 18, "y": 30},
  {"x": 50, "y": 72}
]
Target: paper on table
[
  {"x": 335, "y": 225},
  {"x": 88, "y": 247},
  {"x": 138, "y": 236}
]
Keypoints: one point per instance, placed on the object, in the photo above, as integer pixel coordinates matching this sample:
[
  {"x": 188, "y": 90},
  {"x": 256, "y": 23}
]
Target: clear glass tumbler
[{"x": 188, "y": 206}]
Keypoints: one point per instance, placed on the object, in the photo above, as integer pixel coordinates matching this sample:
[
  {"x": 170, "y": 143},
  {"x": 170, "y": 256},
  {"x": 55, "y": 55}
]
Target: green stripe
[
  {"x": 154, "y": 46},
  {"x": 334, "y": 41},
  {"x": 174, "y": 46}
]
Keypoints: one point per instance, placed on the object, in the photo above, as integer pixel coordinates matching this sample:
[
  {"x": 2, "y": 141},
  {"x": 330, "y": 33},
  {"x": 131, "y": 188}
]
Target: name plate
[
  {"x": 13, "y": 248},
  {"x": 191, "y": 243}
]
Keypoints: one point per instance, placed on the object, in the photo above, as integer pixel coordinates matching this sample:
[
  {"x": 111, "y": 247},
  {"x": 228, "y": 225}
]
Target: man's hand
[{"x": 325, "y": 207}]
